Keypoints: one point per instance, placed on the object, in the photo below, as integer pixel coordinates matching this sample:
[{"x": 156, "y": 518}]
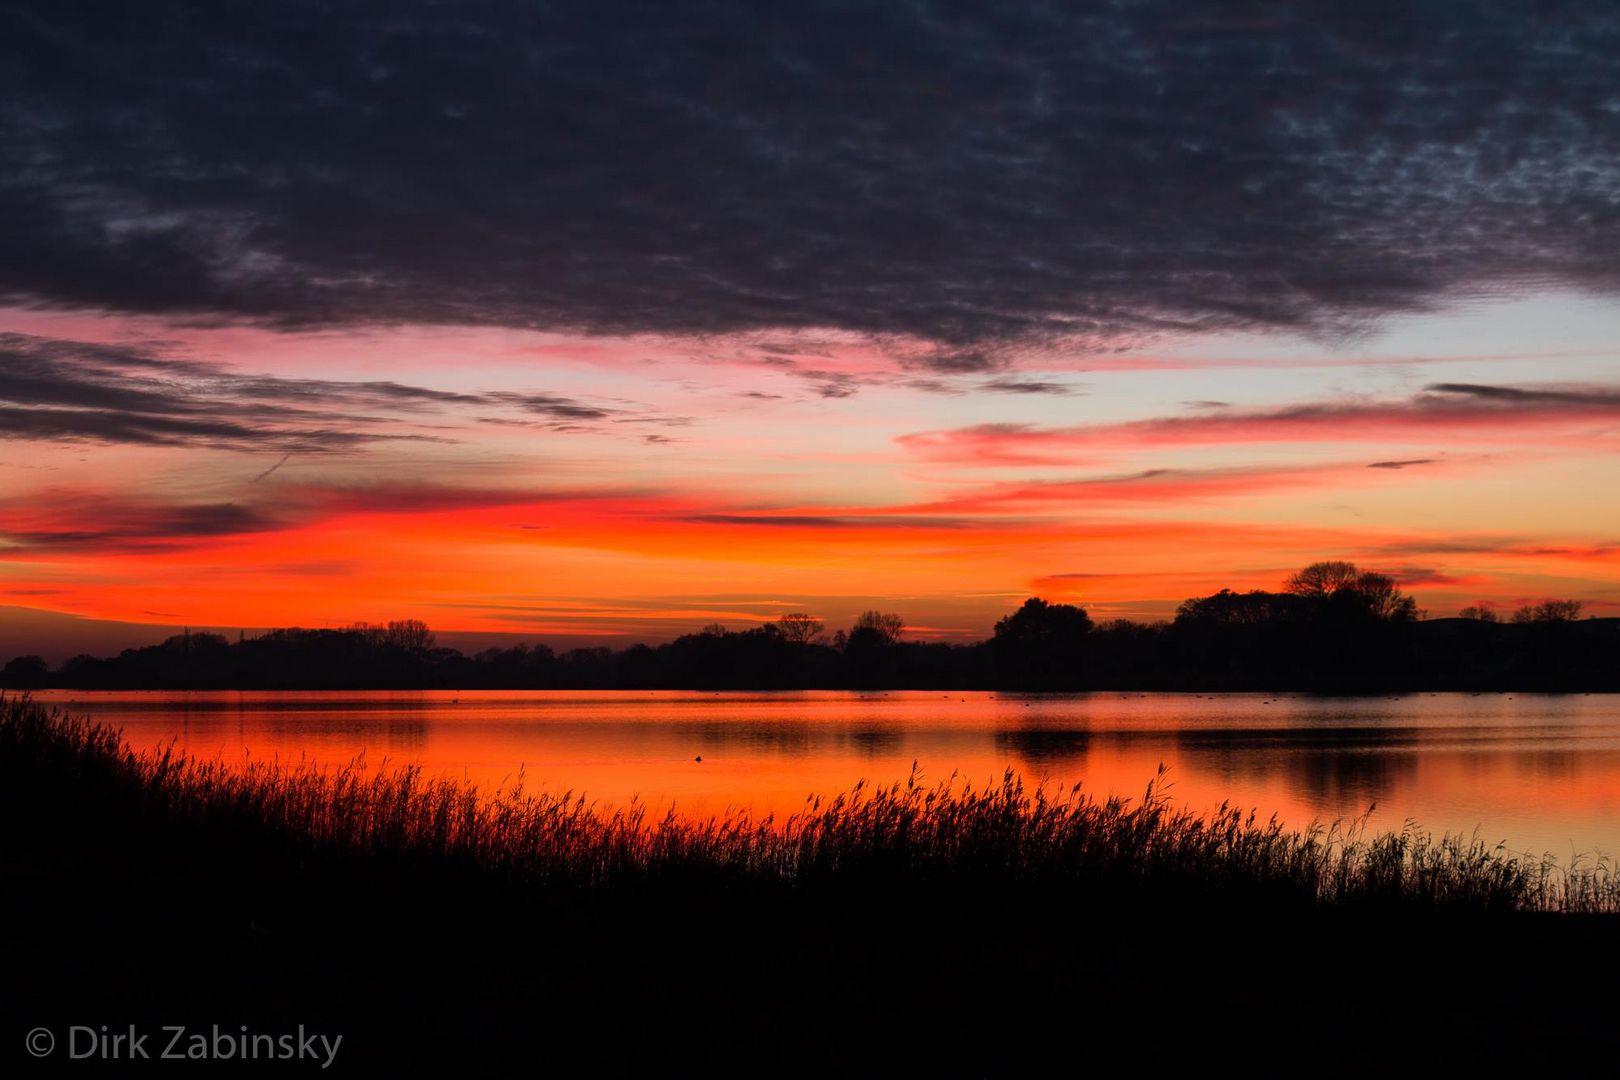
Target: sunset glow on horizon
[
  {"x": 633, "y": 489},
  {"x": 533, "y": 323}
]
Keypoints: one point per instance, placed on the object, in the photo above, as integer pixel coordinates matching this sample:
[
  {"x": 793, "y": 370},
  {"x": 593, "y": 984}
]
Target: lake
[{"x": 1540, "y": 773}]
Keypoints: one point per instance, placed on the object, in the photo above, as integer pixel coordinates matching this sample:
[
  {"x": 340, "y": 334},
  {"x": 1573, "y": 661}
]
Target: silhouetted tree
[
  {"x": 1349, "y": 588},
  {"x": 871, "y": 651},
  {"x": 1332, "y": 636},
  {"x": 1232, "y": 608},
  {"x": 520, "y": 666},
  {"x": 799, "y": 628},
  {"x": 1039, "y": 624},
  {"x": 1383, "y": 599},
  {"x": 1323, "y": 579},
  {"x": 25, "y": 673},
  {"x": 888, "y": 627},
  {"x": 1484, "y": 611},
  {"x": 1040, "y": 645},
  {"x": 372, "y": 636},
  {"x": 1549, "y": 611},
  {"x": 409, "y": 635}
]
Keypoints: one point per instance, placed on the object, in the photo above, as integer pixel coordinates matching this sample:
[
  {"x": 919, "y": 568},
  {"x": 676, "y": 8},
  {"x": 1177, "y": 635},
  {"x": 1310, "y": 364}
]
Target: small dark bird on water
[{"x": 698, "y": 758}]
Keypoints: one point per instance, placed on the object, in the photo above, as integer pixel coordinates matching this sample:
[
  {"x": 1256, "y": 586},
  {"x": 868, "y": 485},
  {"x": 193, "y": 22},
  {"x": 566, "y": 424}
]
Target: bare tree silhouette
[
  {"x": 1383, "y": 598},
  {"x": 799, "y": 627},
  {"x": 887, "y": 626},
  {"x": 1549, "y": 611},
  {"x": 1337, "y": 579},
  {"x": 1323, "y": 579}
]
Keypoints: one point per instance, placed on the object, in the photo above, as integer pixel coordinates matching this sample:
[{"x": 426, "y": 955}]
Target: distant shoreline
[{"x": 1251, "y": 642}]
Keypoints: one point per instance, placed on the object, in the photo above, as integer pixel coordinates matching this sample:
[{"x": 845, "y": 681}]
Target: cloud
[
  {"x": 831, "y": 384},
  {"x": 96, "y": 425},
  {"x": 314, "y": 501},
  {"x": 560, "y": 408},
  {"x": 954, "y": 361},
  {"x": 1417, "y": 576},
  {"x": 1510, "y": 396},
  {"x": 1167, "y": 486},
  {"x": 325, "y": 392},
  {"x": 1026, "y": 386},
  {"x": 965, "y": 178},
  {"x": 1442, "y": 411},
  {"x": 76, "y": 391},
  {"x": 1406, "y": 464},
  {"x": 1496, "y": 547},
  {"x": 79, "y": 521},
  {"x": 75, "y": 521}
]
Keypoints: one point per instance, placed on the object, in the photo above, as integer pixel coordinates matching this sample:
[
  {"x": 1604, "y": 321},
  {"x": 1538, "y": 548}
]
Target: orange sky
[
  {"x": 633, "y": 488},
  {"x": 532, "y": 321}
]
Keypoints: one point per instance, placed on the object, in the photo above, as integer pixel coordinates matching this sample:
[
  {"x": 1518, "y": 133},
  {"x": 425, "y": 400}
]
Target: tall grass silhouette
[{"x": 946, "y": 834}]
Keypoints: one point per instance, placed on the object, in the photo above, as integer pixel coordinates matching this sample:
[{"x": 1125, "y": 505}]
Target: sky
[{"x": 604, "y": 322}]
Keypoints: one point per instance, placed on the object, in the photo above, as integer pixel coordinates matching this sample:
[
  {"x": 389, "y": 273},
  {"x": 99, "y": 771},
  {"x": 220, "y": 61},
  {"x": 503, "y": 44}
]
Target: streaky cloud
[
  {"x": 76, "y": 521},
  {"x": 1027, "y": 386},
  {"x": 56, "y": 390},
  {"x": 95, "y": 425},
  {"x": 1441, "y": 411}
]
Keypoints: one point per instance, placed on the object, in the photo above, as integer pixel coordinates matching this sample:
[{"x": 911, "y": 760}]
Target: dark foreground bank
[{"x": 226, "y": 914}]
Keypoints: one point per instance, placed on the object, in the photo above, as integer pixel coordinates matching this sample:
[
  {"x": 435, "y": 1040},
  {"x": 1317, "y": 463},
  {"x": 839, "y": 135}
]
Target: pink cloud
[{"x": 1449, "y": 412}]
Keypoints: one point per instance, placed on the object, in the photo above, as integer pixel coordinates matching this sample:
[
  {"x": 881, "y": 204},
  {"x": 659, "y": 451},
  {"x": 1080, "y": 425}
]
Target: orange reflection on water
[{"x": 1541, "y": 773}]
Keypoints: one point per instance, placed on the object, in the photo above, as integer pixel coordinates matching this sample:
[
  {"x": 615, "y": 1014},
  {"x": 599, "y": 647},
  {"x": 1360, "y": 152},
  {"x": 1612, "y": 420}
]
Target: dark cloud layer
[
  {"x": 1525, "y": 396},
  {"x": 66, "y": 390},
  {"x": 973, "y": 176},
  {"x": 106, "y": 521},
  {"x": 99, "y": 523}
]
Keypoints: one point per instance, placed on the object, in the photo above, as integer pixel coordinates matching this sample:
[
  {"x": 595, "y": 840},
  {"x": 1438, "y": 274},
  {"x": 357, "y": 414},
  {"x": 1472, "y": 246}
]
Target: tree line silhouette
[{"x": 1333, "y": 628}]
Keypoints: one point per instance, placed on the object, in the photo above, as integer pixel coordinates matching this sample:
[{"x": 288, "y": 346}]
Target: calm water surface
[{"x": 1541, "y": 773}]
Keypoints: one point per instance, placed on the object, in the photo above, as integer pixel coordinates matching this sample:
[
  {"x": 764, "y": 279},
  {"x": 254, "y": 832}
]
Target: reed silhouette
[
  {"x": 923, "y": 922},
  {"x": 947, "y": 829}
]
